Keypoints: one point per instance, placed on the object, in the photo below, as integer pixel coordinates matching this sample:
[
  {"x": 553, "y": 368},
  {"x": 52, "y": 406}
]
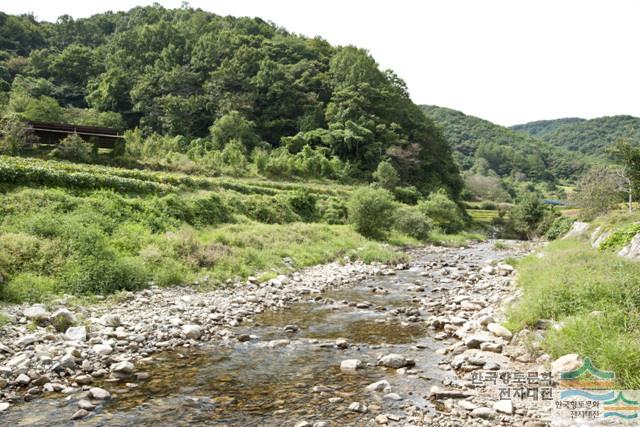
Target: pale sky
[{"x": 509, "y": 61}]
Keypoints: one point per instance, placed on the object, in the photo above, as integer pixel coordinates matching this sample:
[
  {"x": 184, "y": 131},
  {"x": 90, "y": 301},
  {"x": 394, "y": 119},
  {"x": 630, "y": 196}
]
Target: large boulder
[
  {"x": 632, "y": 250},
  {"x": 577, "y": 229},
  {"x": 395, "y": 361}
]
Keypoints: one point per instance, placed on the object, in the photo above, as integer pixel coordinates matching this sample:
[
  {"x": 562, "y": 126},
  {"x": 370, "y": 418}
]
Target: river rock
[
  {"x": 475, "y": 340},
  {"x": 68, "y": 361},
  {"x": 76, "y": 333},
  {"x": 351, "y": 365},
  {"x": 102, "y": 349},
  {"x": 80, "y": 413},
  {"x": 484, "y": 413},
  {"x": 84, "y": 379},
  {"x": 37, "y": 313},
  {"x": 99, "y": 393},
  {"x": 499, "y": 330},
  {"x": 505, "y": 406},
  {"x": 110, "y": 320},
  {"x": 193, "y": 332},
  {"x": 62, "y": 319},
  {"x": 86, "y": 405},
  {"x": 4, "y": 406},
  {"x": 23, "y": 379},
  {"x": 342, "y": 343},
  {"x": 26, "y": 340},
  {"x": 358, "y": 407},
  {"x": 395, "y": 361},
  {"x": 566, "y": 363},
  {"x": 378, "y": 386},
  {"x": 122, "y": 369}
]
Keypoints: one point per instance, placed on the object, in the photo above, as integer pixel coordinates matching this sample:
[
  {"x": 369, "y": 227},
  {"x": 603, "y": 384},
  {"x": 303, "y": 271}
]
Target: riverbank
[{"x": 435, "y": 314}]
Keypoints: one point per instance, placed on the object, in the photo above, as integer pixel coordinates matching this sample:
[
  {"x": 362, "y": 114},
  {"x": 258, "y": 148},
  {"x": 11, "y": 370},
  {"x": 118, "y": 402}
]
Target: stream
[{"x": 277, "y": 376}]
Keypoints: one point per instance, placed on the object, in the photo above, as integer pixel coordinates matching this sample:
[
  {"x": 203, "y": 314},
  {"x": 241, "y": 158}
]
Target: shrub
[
  {"x": 621, "y": 237},
  {"x": 28, "y": 287},
  {"x": 304, "y": 204},
  {"x": 559, "y": 227},
  {"x": 413, "y": 222},
  {"x": 333, "y": 211},
  {"x": 443, "y": 211},
  {"x": 386, "y": 175},
  {"x": 407, "y": 195},
  {"x": 103, "y": 274},
  {"x": 14, "y": 136},
  {"x": 75, "y": 149},
  {"x": 371, "y": 211},
  {"x": 526, "y": 216}
]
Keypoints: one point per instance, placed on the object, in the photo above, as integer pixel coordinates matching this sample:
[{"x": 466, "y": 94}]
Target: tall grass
[{"x": 596, "y": 296}]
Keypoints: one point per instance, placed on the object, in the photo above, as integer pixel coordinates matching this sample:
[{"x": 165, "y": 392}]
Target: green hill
[
  {"x": 503, "y": 150},
  {"x": 271, "y": 94},
  {"x": 590, "y": 137}
]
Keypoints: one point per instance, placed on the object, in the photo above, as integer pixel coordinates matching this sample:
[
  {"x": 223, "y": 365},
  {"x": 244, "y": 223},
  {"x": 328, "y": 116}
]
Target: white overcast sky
[{"x": 509, "y": 61}]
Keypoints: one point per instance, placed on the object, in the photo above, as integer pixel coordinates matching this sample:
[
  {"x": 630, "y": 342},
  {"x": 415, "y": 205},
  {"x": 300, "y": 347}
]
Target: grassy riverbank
[
  {"x": 595, "y": 295},
  {"x": 77, "y": 229}
]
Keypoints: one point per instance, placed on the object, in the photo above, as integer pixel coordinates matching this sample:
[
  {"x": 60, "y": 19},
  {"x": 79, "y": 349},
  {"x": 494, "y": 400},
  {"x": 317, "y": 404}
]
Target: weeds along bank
[
  {"x": 87, "y": 229},
  {"x": 587, "y": 297}
]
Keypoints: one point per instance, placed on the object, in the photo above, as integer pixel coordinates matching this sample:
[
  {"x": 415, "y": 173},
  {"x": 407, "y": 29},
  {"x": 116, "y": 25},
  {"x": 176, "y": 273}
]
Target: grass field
[{"x": 595, "y": 295}]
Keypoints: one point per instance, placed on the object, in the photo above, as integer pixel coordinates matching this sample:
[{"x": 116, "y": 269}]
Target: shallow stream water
[{"x": 261, "y": 383}]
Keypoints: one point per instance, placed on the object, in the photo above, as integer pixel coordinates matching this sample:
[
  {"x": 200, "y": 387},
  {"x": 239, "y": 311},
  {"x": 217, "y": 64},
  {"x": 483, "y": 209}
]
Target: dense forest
[
  {"x": 480, "y": 144},
  {"x": 200, "y": 89},
  {"x": 591, "y": 137}
]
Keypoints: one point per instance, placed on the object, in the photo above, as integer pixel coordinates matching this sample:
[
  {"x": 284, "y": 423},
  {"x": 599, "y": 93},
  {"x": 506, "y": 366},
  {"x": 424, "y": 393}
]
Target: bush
[
  {"x": 386, "y": 175},
  {"x": 559, "y": 227},
  {"x": 407, "y": 195},
  {"x": 304, "y": 204},
  {"x": 371, "y": 211},
  {"x": 413, "y": 222},
  {"x": 527, "y": 215},
  {"x": 621, "y": 237},
  {"x": 75, "y": 149},
  {"x": 28, "y": 287},
  {"x": 14, "y": 136},
  {"x": 103, "y": 275},
  {"x": 443, "y": 211}
]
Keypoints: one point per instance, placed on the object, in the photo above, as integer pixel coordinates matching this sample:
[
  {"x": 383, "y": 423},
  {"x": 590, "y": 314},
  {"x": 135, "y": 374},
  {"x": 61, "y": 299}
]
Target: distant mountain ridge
[
  {"x": 506, "y": 151},
  {"x": 590, "y": 137}
]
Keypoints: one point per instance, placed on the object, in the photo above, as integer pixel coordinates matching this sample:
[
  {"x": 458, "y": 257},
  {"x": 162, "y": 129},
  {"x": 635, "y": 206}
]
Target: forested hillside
[
  {"x": 591, "y": 137},
  {"x": 211, "y": 93},
  {"x": 484, "y": 145}
]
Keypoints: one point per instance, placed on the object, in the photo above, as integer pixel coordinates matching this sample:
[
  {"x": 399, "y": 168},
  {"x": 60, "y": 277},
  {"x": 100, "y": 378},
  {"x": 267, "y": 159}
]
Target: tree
[
  {"x": 233, "y": 126},
  {"x": 14, "y": 135},
  {"x": 628, "y": 157},
  {"x": 73, "y": 148},
  {"x": 371, "y": 211},
  {"x": 386, "y": 175},
  {"x": 527, "y": 215},
  {"x": 443, "y": 211},
  {"x": 597, "y": 192}
]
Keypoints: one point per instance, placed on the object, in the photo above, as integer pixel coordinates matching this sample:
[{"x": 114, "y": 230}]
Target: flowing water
[{"x": 262, "y": 382}]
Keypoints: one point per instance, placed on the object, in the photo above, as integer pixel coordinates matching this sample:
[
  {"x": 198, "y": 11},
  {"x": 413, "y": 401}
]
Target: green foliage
[
  {"x": 186, "y": 72},
  {"x": 484, "y": 146},
  {"x": 411, "y": 221},
  {"x": 28, "y": 287},
  {"x": 407, "y": 195},
  {"x": 74, "y": 148},
  {"x": 371, "y": 211},
  {"x": 526, "y": 217},
  {"x": 559, "y": 227},
  {"x": 597, "y": 192},
  {"x": 386, "y": 176},
  {"x": 443, "y": 211},
  {"x": 14, "y": 137},
  {"x": 591, "y": 137},
  {"x": 595, "y": 294},
  {"x": 620, "y": 237}
]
